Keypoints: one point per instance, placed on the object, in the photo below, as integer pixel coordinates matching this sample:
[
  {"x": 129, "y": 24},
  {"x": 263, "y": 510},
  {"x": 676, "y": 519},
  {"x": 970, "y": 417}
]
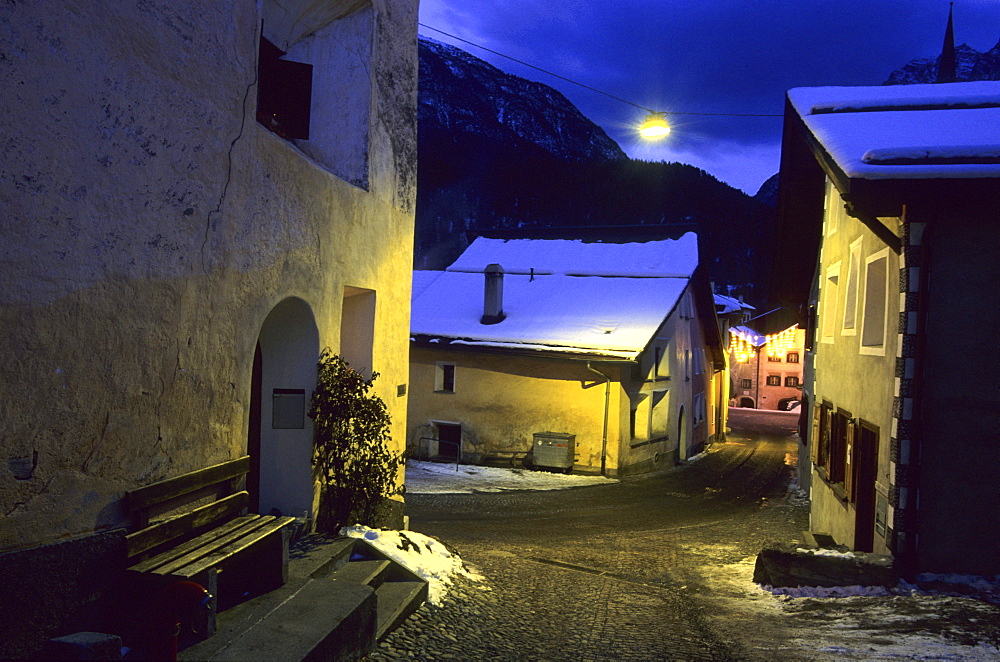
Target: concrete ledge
[{"x": 788, "y": 565}]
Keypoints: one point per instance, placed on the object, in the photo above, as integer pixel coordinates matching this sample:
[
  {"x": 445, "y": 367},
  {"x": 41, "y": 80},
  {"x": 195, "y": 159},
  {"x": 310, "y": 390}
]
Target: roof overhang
[{"x": 549, "y": 352}]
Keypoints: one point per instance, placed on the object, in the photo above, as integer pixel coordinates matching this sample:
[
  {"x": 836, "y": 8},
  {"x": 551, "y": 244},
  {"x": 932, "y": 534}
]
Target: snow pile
[
  {"x": 422, "y": 555},
  {"x": 437, "y": 478},
  {"x": 926, "y": 584}
]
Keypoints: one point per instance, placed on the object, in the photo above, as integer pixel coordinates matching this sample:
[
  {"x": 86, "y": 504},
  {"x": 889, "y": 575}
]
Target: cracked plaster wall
[{"x": 149, "y": 225}]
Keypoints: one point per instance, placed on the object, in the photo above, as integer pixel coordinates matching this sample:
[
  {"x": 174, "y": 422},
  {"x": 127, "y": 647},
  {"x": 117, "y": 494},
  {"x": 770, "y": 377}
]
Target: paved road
[{"x": 610, "y": 572}]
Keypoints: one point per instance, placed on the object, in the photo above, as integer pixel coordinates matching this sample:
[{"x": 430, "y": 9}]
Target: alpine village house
[
  {"x": 888, "y": 206},
  {"x": 586, "y": 356},
  {"x": 198, "y": 197}
]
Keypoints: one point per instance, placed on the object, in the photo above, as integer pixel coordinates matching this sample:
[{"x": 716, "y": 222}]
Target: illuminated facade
[
  {"x": 766, "y": 369},
  {"x": 630, "y": 367},
  {"x": 180, "y": 240},
  {"x": 888, "y": 203}
]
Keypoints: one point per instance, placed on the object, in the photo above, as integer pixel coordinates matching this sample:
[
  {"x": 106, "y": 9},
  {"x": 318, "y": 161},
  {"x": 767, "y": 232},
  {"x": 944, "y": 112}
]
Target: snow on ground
[
  {"x": 430, "y": 559},
  {"x": 422, "y": 555},
  {"x": 934, "y": 621},
  {"x": 438, "y": 478}
]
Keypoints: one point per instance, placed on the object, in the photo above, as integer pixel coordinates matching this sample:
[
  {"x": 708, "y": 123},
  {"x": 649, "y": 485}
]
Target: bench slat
[
  {"x": 176, "y": 552},
  {"x": 216, "y": 557},
  {"x": 162, "y": 532},
  {"x": 210, "y": 545},
  {"x": 170, "y": 488}
]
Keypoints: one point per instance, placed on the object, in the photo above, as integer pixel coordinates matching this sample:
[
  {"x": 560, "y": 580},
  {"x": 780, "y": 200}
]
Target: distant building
[
  {"x": 611, "y": 347},
  {"x": 888, "y": 207},
  {"x": 766, "y": 370},
  {"x": 193, "y": 207}
]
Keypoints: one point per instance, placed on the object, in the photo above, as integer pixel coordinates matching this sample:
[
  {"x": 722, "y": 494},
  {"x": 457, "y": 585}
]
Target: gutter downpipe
[{"x": 607, "y": 407}]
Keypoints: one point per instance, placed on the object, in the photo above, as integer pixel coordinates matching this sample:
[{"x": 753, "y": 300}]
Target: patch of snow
[
  {"x": 437, "y": 478},
  {"x": 422, "y": 555}
]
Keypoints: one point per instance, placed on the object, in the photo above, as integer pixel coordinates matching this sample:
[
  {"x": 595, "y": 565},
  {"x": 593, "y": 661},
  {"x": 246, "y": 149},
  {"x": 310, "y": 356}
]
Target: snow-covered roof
[
  {"x": 573, "y": 257},
  {"x": 948, "y": 131},
  {"x": 749, "y": 335},
  {"x": 726, "y": 305},
  {"x": 612, "y": 317}
]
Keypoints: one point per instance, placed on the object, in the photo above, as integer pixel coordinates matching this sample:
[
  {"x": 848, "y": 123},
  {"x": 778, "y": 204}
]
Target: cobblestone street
[
  {"x": 659, "y": 568},
  {"x": 602, "y": 573}
]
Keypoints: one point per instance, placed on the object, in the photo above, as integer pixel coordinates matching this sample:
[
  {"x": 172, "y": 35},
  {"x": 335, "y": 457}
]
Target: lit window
[
  {"x": 774, "y": 380},
  {"x": 873, "y": 324},
  {"x": 792, "y": 357},
  {"x": 444, "y": 378},
  {"x": 774, "y": 359},
  {"x": 792, "y": 381},
  {"x": 746, "y": 383}
]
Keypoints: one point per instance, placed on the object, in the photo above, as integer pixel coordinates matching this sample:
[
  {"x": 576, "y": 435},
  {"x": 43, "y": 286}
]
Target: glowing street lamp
[{"x": 655, "y": 127}]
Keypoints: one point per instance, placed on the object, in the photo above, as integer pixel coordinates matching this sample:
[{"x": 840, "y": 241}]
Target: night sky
[{"x": 706, "y": 56}]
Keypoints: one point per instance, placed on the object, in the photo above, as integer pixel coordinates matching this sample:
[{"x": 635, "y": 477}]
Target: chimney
[{"x": 493, "y": 296}]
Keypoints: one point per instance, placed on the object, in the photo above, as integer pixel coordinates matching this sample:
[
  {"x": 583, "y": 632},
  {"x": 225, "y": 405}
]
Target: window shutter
[
  {"x": 850, "y": 461},
  {"x": 814, "y": 437}
]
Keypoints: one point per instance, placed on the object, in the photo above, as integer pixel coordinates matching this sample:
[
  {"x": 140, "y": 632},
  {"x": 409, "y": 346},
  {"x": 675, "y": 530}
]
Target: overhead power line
[{"x": 583, "y": 85}]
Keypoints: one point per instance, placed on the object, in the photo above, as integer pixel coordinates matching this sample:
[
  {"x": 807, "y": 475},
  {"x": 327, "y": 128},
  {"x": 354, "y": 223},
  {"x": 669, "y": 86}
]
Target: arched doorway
[
  {"x": 279, "y": 439},
  {"x": 747, "y": 403}
]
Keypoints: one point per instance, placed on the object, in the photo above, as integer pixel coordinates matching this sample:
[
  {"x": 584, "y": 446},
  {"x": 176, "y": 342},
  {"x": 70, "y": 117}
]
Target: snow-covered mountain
[
  {"x": 460, "y": 93},
  {"x": 970, "y": 65}
]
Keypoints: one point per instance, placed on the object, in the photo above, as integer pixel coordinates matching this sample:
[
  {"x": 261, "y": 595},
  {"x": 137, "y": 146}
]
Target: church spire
[{"x": 946, "y": 63}]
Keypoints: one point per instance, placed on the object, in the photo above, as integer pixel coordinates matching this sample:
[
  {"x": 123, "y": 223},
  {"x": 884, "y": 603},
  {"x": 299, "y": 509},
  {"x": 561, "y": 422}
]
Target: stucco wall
[
  {"x": 862, "y": 384},
  {"x": 150, "y": 225},
  {"x": 501, "y": 401}
]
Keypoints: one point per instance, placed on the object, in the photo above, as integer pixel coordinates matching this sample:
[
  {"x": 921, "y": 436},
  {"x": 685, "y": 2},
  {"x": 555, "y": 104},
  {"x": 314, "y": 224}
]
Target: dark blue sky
[{"x": 707, "y": 56}]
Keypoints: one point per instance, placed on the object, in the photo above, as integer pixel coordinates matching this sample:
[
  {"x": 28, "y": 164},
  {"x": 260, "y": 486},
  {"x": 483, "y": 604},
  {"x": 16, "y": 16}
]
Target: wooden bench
[{"x": 214, "y": 544}]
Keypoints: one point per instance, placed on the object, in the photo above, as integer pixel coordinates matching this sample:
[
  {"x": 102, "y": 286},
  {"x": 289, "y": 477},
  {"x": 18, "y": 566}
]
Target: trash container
[{"x": 554, "y": 450}]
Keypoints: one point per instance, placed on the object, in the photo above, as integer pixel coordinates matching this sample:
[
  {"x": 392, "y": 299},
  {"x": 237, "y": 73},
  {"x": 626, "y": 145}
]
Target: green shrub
[{"x": 351, "y": 457}]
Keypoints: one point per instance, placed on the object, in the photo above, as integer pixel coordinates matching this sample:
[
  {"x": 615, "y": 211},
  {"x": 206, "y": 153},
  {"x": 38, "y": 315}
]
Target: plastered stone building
[
  {"x": 597, "y": 357},
  {"x": 184, "y": 187}
]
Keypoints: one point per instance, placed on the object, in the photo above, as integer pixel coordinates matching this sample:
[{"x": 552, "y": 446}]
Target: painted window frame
[
  {"x": 832, "y": 211},
  {"x": 442, "y": 376},
  {"x": 872, "y": 349},
  {"x": 828, "y": 318},
  {"x": 853, "y": 286}
]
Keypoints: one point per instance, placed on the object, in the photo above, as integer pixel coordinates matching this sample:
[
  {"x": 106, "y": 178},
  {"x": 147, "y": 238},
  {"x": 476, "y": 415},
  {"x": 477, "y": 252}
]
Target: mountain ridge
[{"x": 499, "y": 153}]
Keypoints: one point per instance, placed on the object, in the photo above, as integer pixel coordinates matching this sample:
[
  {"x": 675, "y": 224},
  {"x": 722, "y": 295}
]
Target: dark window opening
[
  {"x": 746, "y": 383},
  {"x": 445, "y": 379},
  {"x": 284, "y": 93},
  {"x": 774, "y": 380}
]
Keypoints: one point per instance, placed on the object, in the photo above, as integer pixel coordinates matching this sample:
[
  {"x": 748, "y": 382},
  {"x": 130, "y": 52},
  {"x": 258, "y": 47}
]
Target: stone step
[
  {"x": 396, "y": 600},
  {"x": 364, "y": 571},
  {"x": 312, "y": 619},
  {"x": 342, "y": 596}
]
